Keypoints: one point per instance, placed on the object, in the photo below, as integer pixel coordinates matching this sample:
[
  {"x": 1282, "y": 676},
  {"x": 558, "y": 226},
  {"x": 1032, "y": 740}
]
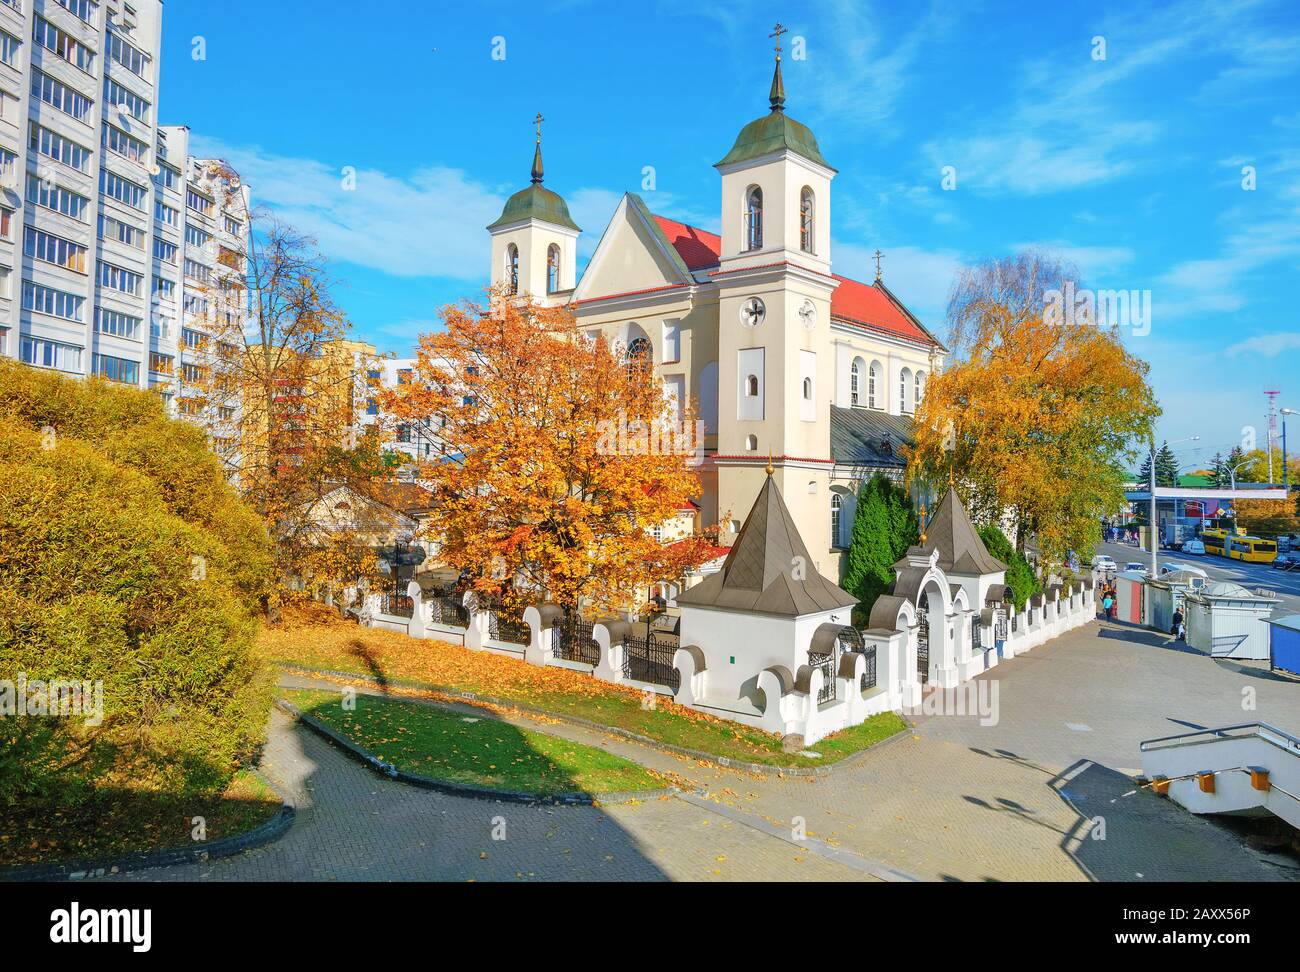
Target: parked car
[
  {"x": 1172, "y": 568},
  {"x": 1287, "y": 561},
  {"x": 1135, "y": 567},
  {"x": 1193, "y": 547},
  {"x": 1103, "y": 562}
]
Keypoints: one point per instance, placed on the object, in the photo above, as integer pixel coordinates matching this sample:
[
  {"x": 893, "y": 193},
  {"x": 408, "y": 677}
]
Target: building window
[
  {"x": 83, "y": 10},
  {"x": 512, "y": 269},
  {"x": 123, "y": 190},
  {"x": 45, "y": 193},
  {"x": 196, "y": 237},
  {"x": 164, "y": 251},
  {"x": 552, "y": 268},
  {"x": 120, "y": 325},
  {"x": 855, "y": 378},
  {"x": 60, "y": 149},
  {"x": 904, "y": 379},
  {"x": 9, "y": 47},
  {"x": 836, "y": 503},
  {"x": 50, "y": 354},
  {"x": 133, "y": 104},
  {"x": 63, "y": 44},
  {"x": 116, "y": 369},
  {"x": 54, "y": 249},
  {"x": 751, "y": 443},
  {"x": 167, "y": 178},
  {"x": 199, "y": 202},
  {"x": 751, "y": 386},
  {"x": 920, "y": 389},
  {"x": 120, "y": 143},
  {"x": 807, "y": 389},
  {"x": 872, "y": 375},
  {"x": 116, "y": 278},
  {"x": 163, "y": 364},
  {"x": 6, "y": 223},
  {"x": 60, "y": 96},
  {"x": 806, "y": 215},
  {"x": 640, "y": 355},
  {"x": 754, "y": 219},
  {"x": 137, "y": 62}
]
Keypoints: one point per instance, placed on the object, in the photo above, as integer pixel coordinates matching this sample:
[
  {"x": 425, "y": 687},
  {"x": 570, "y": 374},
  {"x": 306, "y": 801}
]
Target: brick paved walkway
[{"x": 954, "y": 800}]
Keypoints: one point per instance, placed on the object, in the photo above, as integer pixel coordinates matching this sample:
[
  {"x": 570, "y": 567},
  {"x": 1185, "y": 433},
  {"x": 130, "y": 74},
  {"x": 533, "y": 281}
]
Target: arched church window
[
  {"x": 552, "y": 269},
  {"x": 751, "y": 443},
  {"x": 904, "y": 379},
  {"x": 639, "y": 354},
  {"x": 807, "y": 389},
  {"x": 806, "y": 216},
  {"x": 920, "y": 389},
  {"x": 751, "y": 386},
  {"x": 754, "y": 219},
  {"x": 512, "y": 269},
  {"x": 872, "y": 375},
  {"x": 855, "y": 378},
  {"x": 836, "y": 504}
]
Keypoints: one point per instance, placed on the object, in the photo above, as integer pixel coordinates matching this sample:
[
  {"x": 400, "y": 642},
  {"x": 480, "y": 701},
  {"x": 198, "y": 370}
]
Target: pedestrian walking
[
  {"x": 1177, "y": 622},
  {"x": 1107, "y": 602}
]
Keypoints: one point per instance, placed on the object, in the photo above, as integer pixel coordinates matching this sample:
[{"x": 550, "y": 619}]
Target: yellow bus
[
  {"x": 1214, "y": 541},
  {"x": 1252, "y": 549}
]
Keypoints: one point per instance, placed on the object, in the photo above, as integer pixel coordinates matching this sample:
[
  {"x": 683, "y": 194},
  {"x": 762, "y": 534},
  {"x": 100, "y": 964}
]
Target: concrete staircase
[{"x": 1246, "y": 769}]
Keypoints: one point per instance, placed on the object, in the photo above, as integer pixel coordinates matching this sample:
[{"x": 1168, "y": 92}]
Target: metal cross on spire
[
  {"x": 777, "y": 31},
  {"x": 538, "y": 173},
  {"x": 879, "y": 257}
]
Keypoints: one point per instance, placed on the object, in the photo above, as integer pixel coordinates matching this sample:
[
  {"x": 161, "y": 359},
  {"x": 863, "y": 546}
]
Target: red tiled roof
[
  {"x": 860, "y": 303},
  {"x": 852, "y": 301},
  {"x": 698, "y": 248}
]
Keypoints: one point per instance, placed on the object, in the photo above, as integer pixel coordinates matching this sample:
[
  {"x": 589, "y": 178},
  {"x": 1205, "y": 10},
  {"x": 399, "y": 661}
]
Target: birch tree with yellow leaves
[{"x": 1036, "y": 417}]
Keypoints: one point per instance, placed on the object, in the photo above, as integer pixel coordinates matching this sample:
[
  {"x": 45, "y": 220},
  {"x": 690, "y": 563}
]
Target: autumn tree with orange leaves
[
  {"x": 550, "y": 479},
  {"x": 1036, "y": 418}
]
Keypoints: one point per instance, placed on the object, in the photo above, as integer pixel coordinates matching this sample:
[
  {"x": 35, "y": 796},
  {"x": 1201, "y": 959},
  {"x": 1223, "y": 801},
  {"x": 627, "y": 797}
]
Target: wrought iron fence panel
[
  {"x": 572, "y": 640},
  {"x": 449, "y": 610},
  {"x": 825, "y": 660},
  {"x": 398, "y": 605},
  {"x": 869, "y": 670},
  {"x": 650, "y": 659},
  {"x": 505, "y": 627},
  {"x": 923, "y": 649}
]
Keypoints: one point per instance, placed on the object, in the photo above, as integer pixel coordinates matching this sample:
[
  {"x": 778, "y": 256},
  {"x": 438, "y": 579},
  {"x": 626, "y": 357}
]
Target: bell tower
[
  {"x": 775, "y": 353},
  {"x": 534, "y": 240}
]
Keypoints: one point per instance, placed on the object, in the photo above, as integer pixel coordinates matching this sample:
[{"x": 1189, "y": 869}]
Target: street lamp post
[
  {"x": 1286, "y": 477},
  {"x": 1153, "y": 527}
]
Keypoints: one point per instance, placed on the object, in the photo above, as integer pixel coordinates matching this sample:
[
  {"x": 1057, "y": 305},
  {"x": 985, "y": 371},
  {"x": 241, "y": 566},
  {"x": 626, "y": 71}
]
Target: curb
[
  {"x": 77, "y": 870},
  {"x": 725, "y": 761},
  {"x": 388, "y": 770}
]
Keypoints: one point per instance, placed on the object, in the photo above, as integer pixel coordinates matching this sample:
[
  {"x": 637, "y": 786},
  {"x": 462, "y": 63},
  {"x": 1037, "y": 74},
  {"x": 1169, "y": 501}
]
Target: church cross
[
  {"x": 879, "y": 256},
  {"x": 538, "y": 122},
  {"x": 777, "y": 31}
]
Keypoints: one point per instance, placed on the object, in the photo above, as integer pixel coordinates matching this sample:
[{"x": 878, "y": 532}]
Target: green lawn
[
  {"x": 118, "y": 822},
  {"x": 480, "y": 751},
  {"x": 451, "y": 669}
]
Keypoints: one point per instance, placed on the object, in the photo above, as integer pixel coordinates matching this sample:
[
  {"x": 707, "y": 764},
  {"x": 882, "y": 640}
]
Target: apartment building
[{"x": 113, "y": 238}]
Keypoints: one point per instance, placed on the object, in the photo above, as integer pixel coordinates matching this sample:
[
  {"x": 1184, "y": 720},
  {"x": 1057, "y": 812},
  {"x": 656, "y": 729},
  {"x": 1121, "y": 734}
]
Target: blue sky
[{"x": 1130, "y": 166}]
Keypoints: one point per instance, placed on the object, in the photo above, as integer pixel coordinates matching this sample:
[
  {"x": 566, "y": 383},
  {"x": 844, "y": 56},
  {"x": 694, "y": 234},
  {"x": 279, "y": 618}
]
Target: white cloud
[
  {"x": 1268, "y": 345},
  {"x": 1092, "y": 262},
  {"x": 429, "y": 223}
]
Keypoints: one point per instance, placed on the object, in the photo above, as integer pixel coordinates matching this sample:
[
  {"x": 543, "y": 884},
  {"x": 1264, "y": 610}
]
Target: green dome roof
[
  {"x": 775, "y": 131},
  {"x": 535, "y": 202},
  {"x": 772, "y": 133}
]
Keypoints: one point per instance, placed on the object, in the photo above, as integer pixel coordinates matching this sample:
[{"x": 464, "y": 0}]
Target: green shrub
[
  {"x": 884, "y": 526},
  {"x": 1022, "y": 580},
  {"x": 124, "y": 557}
]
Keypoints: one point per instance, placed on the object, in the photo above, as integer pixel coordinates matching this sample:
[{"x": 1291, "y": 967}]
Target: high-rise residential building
[{"x": 113, "y": 238}]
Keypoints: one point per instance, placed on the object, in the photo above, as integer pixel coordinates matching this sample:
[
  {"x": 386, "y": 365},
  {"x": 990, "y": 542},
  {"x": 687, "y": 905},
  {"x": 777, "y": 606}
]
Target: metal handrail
[{"x": 1259, "y": 729}]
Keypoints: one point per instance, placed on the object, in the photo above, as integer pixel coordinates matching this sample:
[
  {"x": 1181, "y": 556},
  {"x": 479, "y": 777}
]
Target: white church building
[{"x": 784, "y": 357}]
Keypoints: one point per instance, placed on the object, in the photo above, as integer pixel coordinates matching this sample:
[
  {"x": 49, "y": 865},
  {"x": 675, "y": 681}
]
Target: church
[{"x": 786, "y": 359}]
